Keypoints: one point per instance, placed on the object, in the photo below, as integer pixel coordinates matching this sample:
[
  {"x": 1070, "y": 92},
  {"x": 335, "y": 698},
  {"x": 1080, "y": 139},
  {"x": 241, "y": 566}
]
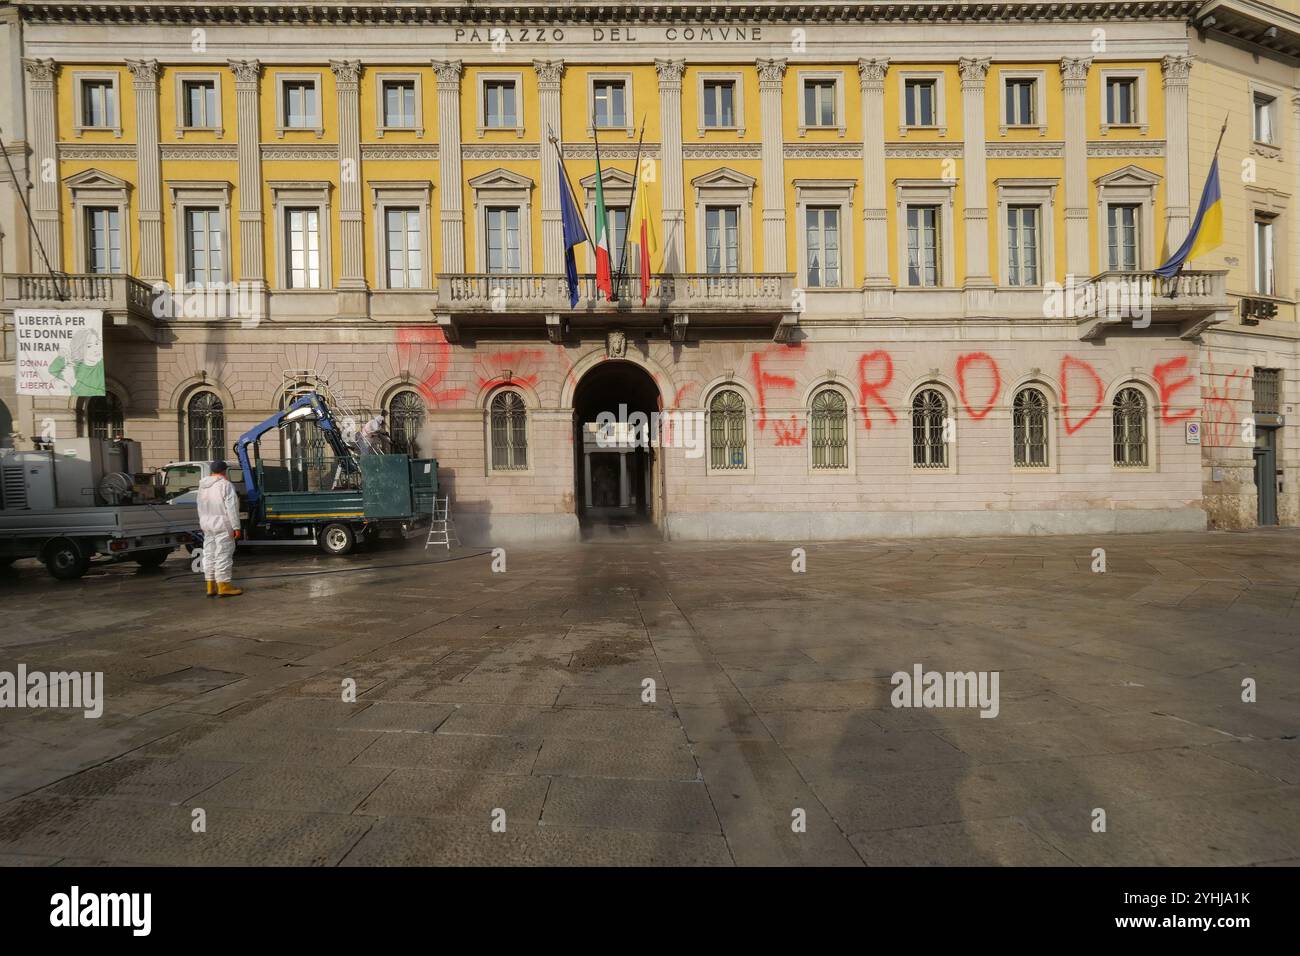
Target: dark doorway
[
  {"x": 616, "y": 472},
  {"x": 1266, "y": 474}
]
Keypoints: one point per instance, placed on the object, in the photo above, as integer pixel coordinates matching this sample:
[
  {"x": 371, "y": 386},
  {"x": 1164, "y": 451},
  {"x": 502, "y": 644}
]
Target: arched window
[
  {"x": 205, "y": 419},
  {"x": 509, "y": 432},
  {"x": 405, "y": 420},
  {"x": 830, "y": 430},
  {"x": 6, "y": 427},
  {"x": 1130, "y": 428},
  {"x": 929, "y": 412},
  {"x": 1029, "y": 428},
  {"x": 727, "y": 430},
  {"x": 104, "y": 416}
]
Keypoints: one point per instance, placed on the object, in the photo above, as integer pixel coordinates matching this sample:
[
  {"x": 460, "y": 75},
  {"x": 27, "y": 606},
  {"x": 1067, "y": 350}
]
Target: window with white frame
[
  {"x": 98, "y": 102},
  {"x": 1129, "y": 427},
  {"x": 929, "y": 415},
  {"x": 302, "y": 248},
  {"x": 1265, "y": 252},
  {"x": 609, "y": 100},
  {"x": 920, "y": 102},
  {"x": 822, "y": 243},
  {"x": 828, "y": 421},
  {"x": 508, "y": 426},
  {"x": 500, "y": 104},
  {"x": 1023, "y": 245},
  {"x": 103, "y": 240},
  {"x": 719, "y": 104},
  {"x": 1021, "y": 104},
  {"x": 727, "y": 431},
  {"x": 1265, "y": 118},
  {"x": 204, "y": 245},
  {"x": 722, "y": 239},
  {"x": 503, "y": 240},
  {"x": 399, "y": 103},
  {"x": 924, "y": 267},
  {"x": 1123, "y": 237},
  {"x": 299, "y": 103},
  {"x": 403, "y": 248},
  {"x": 1029, "y": 428},
  {"x": 820, "y": 103},
  {"x": 1122, "y": 100},
  {"x": 199, "y": 104}
]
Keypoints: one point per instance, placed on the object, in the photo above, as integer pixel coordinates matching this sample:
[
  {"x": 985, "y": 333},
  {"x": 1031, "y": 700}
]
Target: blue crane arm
[{"x": 315, "y": 410}]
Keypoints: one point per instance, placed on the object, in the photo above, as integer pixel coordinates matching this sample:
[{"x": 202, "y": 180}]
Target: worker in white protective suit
[
  {"x": 219, "y": 521},
  {"x": 374, "y": 437}
]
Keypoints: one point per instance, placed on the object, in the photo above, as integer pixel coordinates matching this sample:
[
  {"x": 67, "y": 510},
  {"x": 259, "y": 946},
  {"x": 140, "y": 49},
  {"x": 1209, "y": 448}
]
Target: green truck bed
[{"x": 394, "y": 487}]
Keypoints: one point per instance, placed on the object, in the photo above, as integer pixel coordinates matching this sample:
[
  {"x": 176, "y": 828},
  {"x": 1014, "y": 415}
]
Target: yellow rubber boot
[
  {"x": 226, "y": 589},
  {"x": 212, "y": 589}
]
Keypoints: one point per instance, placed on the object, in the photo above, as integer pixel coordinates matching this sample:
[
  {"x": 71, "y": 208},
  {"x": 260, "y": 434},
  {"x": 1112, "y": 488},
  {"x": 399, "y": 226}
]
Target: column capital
[
  {"x": 144, "y": 73},
  {"x": 247, "y": 72},
  {"x": 549, "y": 73},
  {"x": 40, "y": 70},
  {"x": 670, "y": 74},
  {"x": 1074, "y": 71},
  {"x": 1176, "y": 69},
  {"x": 973, "y": 69},
  {"x": 770, "y": 72},
  {"x": 448, "y": 73},
  {"x": 347, "y": 72},
  {"x": 871, "y": 73}
]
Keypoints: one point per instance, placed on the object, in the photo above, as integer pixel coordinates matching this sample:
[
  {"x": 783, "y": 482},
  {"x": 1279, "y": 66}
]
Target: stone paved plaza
[{"x": 482, "y": 692}]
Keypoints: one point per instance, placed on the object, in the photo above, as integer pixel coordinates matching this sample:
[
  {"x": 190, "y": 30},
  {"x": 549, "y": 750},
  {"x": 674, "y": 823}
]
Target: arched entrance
[{"x": 616, "y": 469}]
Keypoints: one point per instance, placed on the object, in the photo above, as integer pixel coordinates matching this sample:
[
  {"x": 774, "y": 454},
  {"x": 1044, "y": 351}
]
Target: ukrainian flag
[{"x": 1207, "y": 228}]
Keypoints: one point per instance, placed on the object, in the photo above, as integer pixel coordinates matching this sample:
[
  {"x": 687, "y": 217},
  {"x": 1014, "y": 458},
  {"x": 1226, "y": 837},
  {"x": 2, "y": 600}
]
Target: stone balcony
[
  {"x": 125, "y": 300},
  {"x": 1191, "y": 301},
  {"x": 679, "y": 301}
]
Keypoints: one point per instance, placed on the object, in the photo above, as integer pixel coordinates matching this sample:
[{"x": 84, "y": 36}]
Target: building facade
[{"x": 904, "y": 283}]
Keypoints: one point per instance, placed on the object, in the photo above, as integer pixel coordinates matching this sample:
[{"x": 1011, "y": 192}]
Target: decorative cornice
[
  {"x": 399, "y": 151},
  {"x": 871, "y": 73},
  {"x": 1099, "y": 149},
  {"x": 501, "y": 151},
  {"x": 1025, "y": 150},
  {"x": 923, "y": 150},
  {"x": 722, "y": 151},
  {"x": 214, "y": 152},
  {"x": 96, "y": 151},
  {"x": 823, "y": 150},
  {"x": 610, "y": 151},
  {"x": 302, "y": 152}
]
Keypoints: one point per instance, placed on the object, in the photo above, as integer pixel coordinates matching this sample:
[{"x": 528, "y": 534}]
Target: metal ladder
[
  {"x": 442, "y": 530},
  {"x": 349, "y": 414}
]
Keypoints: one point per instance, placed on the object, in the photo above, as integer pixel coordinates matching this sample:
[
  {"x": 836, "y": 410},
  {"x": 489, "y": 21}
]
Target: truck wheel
[
  {"x": 151, "y": 559},
  {"x": 337, "y": 539},
  {"x": 66, "y": 559}
]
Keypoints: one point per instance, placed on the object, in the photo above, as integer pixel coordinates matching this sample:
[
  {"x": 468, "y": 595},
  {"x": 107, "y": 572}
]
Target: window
[
  {"x": 929, "y": 414},
  {"x": 1121, "y": 101},
  {"x": 1130, "y": 428},
  {"x": 617, "y": 218},
  {"x": 923, "y": 267},
  {"x": 206, "y": 422},
  {"x": 1021, "y": 102},
  {"x": 302, "y": 239},
  {"x": 104, "y": 417},
  {"x": 1122, "y": 236},
  {"x": 103, "y": 240},
  {"x": 829, "y": 419},
  {"x": 720, "y": 104},
  {"x": 609, "y": 99},
  {"x": 1265, "y": 283},
  {"x": 722, "y": 239},
  {"x": 399, "y": 104},
  {"x": 503, "y": 240},
  {"x": 200, "y": 103},
  {"x": 1265, "y": 114},
  {"x": 1029, "y": 428},
  {"x": 1022, "y": 245},
  {"x": 823, "y": 244},
  {"x": 499, "y": 104},
  {"x": 509, "y": 432},
  {"x": 819, "y": 100},
  {"x": 301, "y": 104},
  {"x": 727, "y": 430},
  {"x": 99, "y": 103},
  {"x": 1266, "y": 386},
  {"x": 204, "y": 260},
  {"x": 403, "y": 248},
  {"x": 405, "y": 420},
  {"x": 919, "y": 102}
]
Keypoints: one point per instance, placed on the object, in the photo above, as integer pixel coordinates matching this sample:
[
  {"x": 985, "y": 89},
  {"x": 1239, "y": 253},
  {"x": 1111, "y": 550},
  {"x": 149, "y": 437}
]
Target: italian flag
[{"x": 604, "y": 277}]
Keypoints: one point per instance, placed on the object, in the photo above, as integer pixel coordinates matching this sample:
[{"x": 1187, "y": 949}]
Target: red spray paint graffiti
[
  {"x": 1161, "y": 374},
  {"x": 789, "y": 434},
  {"x": 1080, "y": 367},
  {"x": 764, "y": 380},
  {"x": 1222, "y": 420},
  {"x": 427, "y": 348},
  {"x": 870, "y": 388},
  {"x": 983, "y": 358},
  {"x": 521, "y": 365}
]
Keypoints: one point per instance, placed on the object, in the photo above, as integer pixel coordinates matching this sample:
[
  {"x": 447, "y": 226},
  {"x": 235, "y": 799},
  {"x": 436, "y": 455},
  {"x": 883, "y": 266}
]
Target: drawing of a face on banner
[{"x": 60, "y": 353}]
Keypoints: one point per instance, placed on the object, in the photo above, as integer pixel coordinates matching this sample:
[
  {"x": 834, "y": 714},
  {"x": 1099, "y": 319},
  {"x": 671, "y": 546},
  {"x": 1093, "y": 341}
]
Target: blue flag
[
  {"x": 1207, "y": 228},
  {"x": 575, "y": 234}
]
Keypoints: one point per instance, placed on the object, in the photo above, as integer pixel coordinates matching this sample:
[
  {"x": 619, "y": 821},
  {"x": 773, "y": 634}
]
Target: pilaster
[
  {"x": 674, "y": 208},
  {"x": 144, "y": 80},
  {"x": 1177, "y": 194},
  {"x": 352, "y": 274},
  {"x": 549, "y": 76},
  {"x": 1074, "y": 84},
  {"x": 41, "y": 76},
  {"x": 453, "y": 205},
  {"x": 975, "y": 173},
  {"x": 771, "y": 75}
]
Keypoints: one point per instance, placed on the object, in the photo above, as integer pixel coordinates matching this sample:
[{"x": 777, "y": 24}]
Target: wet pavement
[{"x": 640, "y": 702}]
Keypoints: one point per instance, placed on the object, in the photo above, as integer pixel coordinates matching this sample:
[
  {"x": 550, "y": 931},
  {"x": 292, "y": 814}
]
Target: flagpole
[
  {"x": 564, "y": 178},
  {"x": 636, "y": 182},
  {"x": 604, "y": 226}
]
